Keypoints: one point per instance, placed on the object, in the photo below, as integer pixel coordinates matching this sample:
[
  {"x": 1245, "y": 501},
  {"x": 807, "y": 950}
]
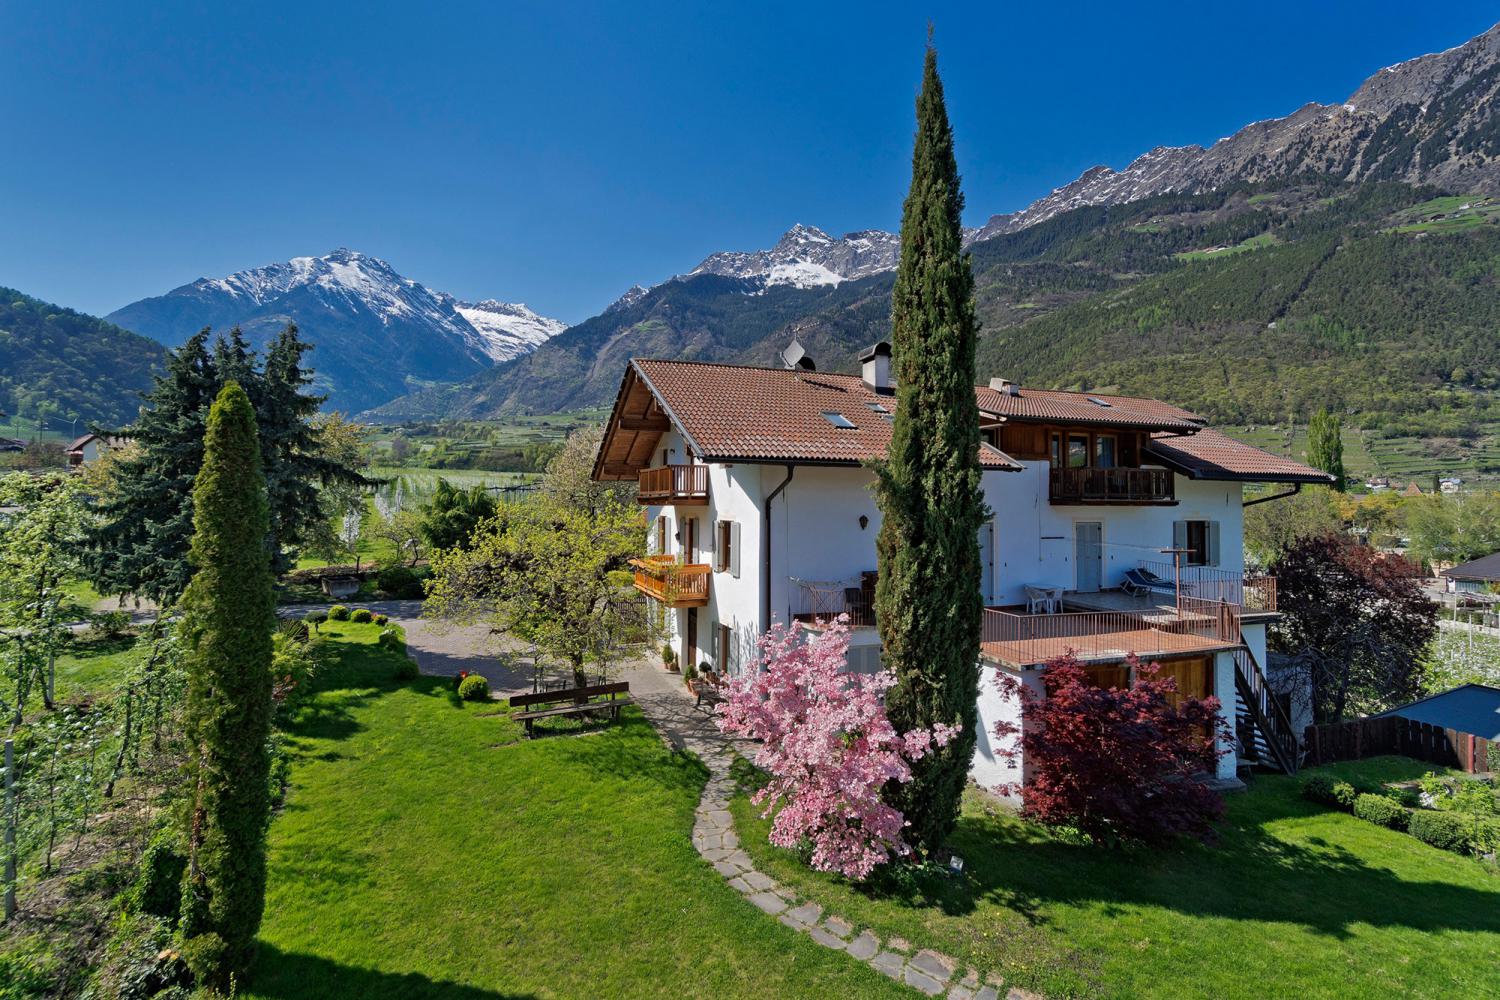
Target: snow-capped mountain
[
  {"x": 377, "y": 333},
  {"x": 508, "y": 329},
  {"x": 807, "y": 257}
]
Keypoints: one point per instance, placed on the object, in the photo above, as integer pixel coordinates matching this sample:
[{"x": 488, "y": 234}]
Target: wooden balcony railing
[
  {"x": 1112, "y": 486},
  {"x": 1250, "y": 591},
  {"x": 1194, "y": 626},
  {"x": 675, "y": 584},
  {"x": 674, "y": 484}
]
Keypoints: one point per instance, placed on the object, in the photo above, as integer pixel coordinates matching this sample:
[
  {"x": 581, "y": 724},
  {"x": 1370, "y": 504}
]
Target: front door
[
  {"x": 1088, "y": 551},
  {"x": 690, "y": 639}
]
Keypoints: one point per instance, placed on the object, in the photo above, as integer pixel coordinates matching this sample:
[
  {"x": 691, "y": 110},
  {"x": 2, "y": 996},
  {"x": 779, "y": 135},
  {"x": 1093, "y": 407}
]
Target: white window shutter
[
  {"x": 1213, "y": 543},
  {"x": 734, "y": 549}
]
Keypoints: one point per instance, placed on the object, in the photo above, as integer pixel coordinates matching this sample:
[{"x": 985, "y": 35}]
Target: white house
[{"x": 762, "y": 511}]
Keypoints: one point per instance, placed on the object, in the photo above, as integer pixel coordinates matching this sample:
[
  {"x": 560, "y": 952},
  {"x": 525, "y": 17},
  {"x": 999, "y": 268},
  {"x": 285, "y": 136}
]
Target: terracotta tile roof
[
  {"x": 737, "y": 413},
  {"x": 1057, "y": 406},
  {"x": 1211, "y": 454}
]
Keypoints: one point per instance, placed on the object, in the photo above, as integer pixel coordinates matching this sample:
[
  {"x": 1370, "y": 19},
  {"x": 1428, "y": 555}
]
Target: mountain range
[{"x": 378, "y": 334}]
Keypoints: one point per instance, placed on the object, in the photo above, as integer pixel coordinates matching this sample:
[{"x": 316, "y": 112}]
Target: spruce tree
[
  {"x": 927, "y": 599},
  {"x": 228, "y": 616},
  {"x": 1325, "y": 445}
]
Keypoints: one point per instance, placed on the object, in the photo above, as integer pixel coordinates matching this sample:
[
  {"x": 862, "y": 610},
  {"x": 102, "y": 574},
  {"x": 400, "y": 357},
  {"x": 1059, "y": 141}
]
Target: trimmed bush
[
  {"x": 1444, "y": 830},
  {"x": 1319, "y": 788},
  {"x": 392, "y": 639},
  {"x": 338, "y": 613},
  {"x": 362, "y": 616},
  {"x": 689, "y": 672},
  {"x": 382, "y": 619},
  {"x": 158, "y": 884},
  {"x": 401, "y": 583},
  {"x": 1381, "y": 810},
  {"x": 474, "y": 688},
  {"x": 1344, "y": 794}
]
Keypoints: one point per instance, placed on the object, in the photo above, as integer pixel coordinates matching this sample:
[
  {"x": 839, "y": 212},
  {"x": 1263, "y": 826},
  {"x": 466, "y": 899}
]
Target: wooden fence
[{"x": 1360, "y": 738}]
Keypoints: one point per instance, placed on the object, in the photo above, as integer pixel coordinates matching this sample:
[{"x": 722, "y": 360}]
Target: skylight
[
  {"x": 1099, "y": 402},
  {"x": 878, "y": 407},
  {"x": 838, "y": 420}
]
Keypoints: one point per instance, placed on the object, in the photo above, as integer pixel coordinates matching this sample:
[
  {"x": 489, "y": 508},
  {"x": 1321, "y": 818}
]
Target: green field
[
  {"x": 1402, "y": 459},
  {"x": 1253, "y": 243},
  {"x": 1447, "y": 214}
]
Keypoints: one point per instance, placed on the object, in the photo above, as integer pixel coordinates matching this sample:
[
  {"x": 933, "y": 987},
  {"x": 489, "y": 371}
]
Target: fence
[
  {"x": 1361, "y": 738},
  {"x": 1253, "y": 592}
]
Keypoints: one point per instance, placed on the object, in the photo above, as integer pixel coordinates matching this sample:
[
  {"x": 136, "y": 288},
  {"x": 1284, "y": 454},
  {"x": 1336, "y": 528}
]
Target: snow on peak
[
  {"x": 507, "y": 329},
  {"x": 807, "y": 257}
]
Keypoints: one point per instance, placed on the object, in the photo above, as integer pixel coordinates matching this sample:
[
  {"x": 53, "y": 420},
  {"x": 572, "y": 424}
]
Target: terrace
[
  {"x": 673, "y": 583},
  {"x": 683, "y": 485}
]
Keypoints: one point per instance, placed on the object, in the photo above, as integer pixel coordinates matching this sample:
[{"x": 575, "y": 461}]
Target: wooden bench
[
  {"x": 571, "y": 701},
  {"x": 709, "y": 687}
]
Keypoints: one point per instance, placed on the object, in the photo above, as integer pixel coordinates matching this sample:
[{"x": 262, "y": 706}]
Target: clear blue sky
[{"x": 557, "y": 153}]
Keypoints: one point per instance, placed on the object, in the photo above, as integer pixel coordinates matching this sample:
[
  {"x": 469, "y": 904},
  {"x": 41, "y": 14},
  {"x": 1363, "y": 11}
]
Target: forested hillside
[{"x": 69, "y": 365}]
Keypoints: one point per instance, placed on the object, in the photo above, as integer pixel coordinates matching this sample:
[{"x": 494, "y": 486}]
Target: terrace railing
[
  {"x": 675, "y": 584},
  {"x": 674, "y": 484},
  {"x": 814, "y": 601},
  {"x": 1250, "y": 591},
  {"x": 1112, "y": 486},
  {"x": 1194, "y": 625}
]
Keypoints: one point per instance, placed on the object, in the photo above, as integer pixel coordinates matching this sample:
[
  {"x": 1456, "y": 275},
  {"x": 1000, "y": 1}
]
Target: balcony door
[{"x": 1088, "y": 555}]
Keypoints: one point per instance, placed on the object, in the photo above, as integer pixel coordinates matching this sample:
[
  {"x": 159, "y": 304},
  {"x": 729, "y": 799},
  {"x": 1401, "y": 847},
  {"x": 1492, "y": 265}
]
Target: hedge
[
  {"x": 1445, "y": 830},
  {"x": 1381, "y": 810}
]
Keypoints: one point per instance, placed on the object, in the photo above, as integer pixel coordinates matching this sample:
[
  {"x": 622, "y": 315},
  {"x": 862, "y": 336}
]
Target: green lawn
[
  {"x": 96, "y": 667},
  {"x": 426, "y": 850},
  {"x": 1295, "y": 900}
]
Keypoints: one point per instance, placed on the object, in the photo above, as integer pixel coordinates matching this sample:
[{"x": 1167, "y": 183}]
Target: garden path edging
[{"x": 714, "y": 837}]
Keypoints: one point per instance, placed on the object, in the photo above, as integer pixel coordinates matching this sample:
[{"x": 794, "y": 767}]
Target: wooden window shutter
[
  {"x": 734, "y": 549},
  {"x": 661, "y": 535}
]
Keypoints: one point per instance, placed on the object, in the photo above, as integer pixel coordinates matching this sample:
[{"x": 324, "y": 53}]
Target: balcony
[
  {"x": 1253, "y": 593},
  {"x": 685, "y": 485},
  {"x": 817, "y": 601},
  {"x": 1191, "y": 627},
  {"x": 673, "y": 583},
  {"x": 1112, "y": 486}
]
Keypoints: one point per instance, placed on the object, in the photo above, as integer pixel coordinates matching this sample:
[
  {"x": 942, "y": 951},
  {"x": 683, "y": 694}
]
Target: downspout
[
  {"x": 1296, "y": 488},
  {"x": 765, "y": 550}
]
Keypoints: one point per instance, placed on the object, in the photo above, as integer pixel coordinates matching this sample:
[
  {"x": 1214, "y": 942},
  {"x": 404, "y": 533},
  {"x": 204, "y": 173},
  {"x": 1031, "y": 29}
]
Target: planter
[{"x": 672, "y": 666}]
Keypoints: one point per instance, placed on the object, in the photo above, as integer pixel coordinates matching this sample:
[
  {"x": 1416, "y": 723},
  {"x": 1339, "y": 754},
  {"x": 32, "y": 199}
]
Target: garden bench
[{"x": 571, "y": 701}]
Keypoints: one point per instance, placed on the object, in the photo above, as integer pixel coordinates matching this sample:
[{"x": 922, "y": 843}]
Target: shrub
[
  {"x": 1486, "y": 838},
  {"x": 1345, "y": 794},
  {"x": 406, "y": 668},
  {"x": 1381, "y": 810},
  {"x": 1319, "y": 788},
  {"x": 362, "y": 616},
  {"x": 315, "y": 618},
  {"x": 338, "y": 613},
  {"x": 392, "y": 639},
  {"x": 400, "y": 582},
  {"x": 1444, "y": 830},
  {"x": 668, "y": 656},
  {"x": 474, "y": 688},
  {"x": 689, "y": 672},
  {"x": 1115, "y": 764},
  {"x": 382, "y": 619},
  {"x": 108, "y": 625},
  {"x": 158, "y": 883},
  {"x": 295, "y": 630},
  {"x": 1492, "y": 756}
]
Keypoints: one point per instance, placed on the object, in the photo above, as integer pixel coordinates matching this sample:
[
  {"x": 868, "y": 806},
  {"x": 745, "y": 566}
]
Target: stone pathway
[{"x": 666, "y": 703}]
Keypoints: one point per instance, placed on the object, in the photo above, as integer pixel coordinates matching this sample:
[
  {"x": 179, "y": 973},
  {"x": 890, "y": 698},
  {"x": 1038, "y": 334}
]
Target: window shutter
[
  {"x": 1179, "y": 535},
  {"x": 1213, "y": 543},
  {"x": 734, "y": 549}
]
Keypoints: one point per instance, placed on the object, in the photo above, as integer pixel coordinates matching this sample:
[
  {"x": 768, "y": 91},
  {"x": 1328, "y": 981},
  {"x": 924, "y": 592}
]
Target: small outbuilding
[
  {"x": 1474, "y": 576},
  {"x": 1469, "y": 708}
]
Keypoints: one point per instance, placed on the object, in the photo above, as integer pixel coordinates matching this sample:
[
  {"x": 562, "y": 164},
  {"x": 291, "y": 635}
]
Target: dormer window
[{"x": 838, "y": 420}]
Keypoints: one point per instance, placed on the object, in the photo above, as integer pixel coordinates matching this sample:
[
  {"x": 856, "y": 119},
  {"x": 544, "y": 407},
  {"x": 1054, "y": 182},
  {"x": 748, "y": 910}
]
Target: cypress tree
[
  {"x": 1325, "y": 445},
  {"x": 228, "y": 617},
  {"x": 927, "y": 599}
]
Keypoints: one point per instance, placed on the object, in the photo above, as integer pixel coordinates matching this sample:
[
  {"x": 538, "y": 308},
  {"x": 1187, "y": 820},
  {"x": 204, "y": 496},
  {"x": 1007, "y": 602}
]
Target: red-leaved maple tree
[{"x": 1117, "y": 764}]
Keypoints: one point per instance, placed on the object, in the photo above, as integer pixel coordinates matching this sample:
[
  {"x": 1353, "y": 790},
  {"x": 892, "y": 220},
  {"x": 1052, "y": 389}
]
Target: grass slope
[
  {"x": 427, "y": 850},
  {"x": 1295, "y": 900}
]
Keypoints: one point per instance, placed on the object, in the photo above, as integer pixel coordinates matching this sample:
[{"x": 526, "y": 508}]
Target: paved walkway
[{"x": 665, "y": 701}]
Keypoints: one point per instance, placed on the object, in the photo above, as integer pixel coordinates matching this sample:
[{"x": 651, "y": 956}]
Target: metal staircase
[{"x": 1261, "y": 724}]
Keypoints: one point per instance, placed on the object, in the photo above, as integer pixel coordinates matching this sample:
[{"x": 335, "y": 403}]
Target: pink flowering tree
[{"x": 829, "y": 748}]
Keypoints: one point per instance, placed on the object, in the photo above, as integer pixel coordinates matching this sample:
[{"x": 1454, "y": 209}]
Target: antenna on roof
[{"x": 795, "y": 356}]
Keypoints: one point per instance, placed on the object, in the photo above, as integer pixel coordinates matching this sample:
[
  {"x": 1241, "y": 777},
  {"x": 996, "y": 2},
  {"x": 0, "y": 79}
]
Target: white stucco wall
[{"x": 988, "y": 768}]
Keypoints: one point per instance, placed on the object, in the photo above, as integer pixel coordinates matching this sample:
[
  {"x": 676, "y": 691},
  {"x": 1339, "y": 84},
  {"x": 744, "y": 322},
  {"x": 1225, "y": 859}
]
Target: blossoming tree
[{"x": 829, "y": 748}]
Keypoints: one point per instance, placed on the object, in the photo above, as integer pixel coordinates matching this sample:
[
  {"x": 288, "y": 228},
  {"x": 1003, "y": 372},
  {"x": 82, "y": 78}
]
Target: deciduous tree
[
  {"x": 927, "y": 598},
  {"x": 1325, "y": 445}
]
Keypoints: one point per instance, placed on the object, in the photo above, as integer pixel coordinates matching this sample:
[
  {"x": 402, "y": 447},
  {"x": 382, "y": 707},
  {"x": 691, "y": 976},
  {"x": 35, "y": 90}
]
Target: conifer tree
[
  {"x": 1325, "y": 445},
  {"x": 927, "y": 599},
  {"x": 228, "y": 617}
]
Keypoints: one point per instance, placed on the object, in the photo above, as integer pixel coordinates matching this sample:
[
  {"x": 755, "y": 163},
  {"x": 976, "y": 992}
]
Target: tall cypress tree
[
  {"x": 1325, "y": 445},
  {"x": 927, "y": 599},
  {"x": 228, "y": 617}
]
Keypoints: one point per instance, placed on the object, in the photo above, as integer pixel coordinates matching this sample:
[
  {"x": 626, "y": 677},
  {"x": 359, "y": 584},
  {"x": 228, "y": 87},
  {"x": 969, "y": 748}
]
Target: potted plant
[
  {"x": 668, "y": 657},
  {"x": 689, "y": 675}
]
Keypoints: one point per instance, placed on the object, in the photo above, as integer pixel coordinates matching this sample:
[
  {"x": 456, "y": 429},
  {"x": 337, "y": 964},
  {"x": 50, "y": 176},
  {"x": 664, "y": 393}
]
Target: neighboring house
[
  {"x": 88, "y": 448},
  {"x": 12, "y": 444},
  {"x": 762, "y": 511},
  {"x": 1450, "y": 486},
  {"x": 1472, "y": 709},
  {"x": 1474, "y": 577}
]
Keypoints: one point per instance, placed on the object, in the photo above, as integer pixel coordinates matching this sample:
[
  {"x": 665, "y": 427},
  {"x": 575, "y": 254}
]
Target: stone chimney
[{"x": 876, "y": 366}]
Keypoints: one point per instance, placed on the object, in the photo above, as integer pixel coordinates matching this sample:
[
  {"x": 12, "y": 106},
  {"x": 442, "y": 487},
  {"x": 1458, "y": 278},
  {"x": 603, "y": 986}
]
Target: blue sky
[{"x": 557, "y": 153}]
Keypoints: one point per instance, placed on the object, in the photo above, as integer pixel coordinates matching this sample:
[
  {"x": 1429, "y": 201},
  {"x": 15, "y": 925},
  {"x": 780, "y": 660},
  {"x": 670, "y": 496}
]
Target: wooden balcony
[
  {"x": 685, "y": 485},
  {"x": 675, "y": 584},
  {"x": 1194, "y": 627},
  {"x": 1112, "y": 486}
]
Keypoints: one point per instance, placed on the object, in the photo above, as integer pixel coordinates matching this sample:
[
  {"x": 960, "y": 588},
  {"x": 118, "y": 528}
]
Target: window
[
  {"x": 878, "y": 407},
  {"x": 1104, "y": 451},
  {"x": 1056, "y": 448},
  {"x": 838, "y": 420},
  {"x": 1078, "y": 451},
  {"x": 1200, "y": 539},
  {"x": 727, "y": 535}
]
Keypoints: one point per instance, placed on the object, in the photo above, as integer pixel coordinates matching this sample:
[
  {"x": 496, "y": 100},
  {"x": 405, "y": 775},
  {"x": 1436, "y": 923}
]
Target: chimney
[
  {"x": 876, "y": 366},
  {"x": 1005, "y": 387}
]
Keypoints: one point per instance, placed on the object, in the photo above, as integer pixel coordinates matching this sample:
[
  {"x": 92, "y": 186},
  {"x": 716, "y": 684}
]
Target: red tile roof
[
  {"x": 1211, "y": 454},
  {"x": 1057, "y": 406},
  {"x": 737, "y": 413}
]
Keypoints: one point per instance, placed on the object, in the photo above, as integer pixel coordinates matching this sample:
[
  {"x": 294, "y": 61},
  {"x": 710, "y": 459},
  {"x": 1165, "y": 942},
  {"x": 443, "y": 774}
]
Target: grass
[
  {"x": 1252, "y": 243},
  {"x": 1295, "y": 900},
  {"x": 96, "y": 667},
  {"x": 427, "y": 850},
  {"x": 1447, "y": 214}
]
